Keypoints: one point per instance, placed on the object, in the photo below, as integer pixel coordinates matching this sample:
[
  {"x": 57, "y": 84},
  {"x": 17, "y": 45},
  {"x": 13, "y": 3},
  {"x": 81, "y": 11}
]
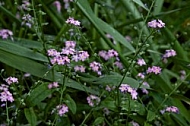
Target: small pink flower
[
  {"x": 141, "y": 62},
  {"x": 71, "y": 20},
  {"x": 93, "y": 100},
  {"x": 141, "y": 75},
  {"x": 154, "y": 69},
  {"x": 11, "y": 80},
  {"x": 156, "y": 24},
  {"x": 57, "y": 5},
  {"x": 5, "y": 33},
  {"x": 118, "y": 64},
  {"x": 62, "y": 109}
]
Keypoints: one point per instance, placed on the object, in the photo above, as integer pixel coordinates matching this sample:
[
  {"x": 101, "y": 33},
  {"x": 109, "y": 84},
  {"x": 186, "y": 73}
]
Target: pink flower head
[
  {"x": 57, "y": 5},
  {"x": 52, "y": 52},
  {"x": 126, "y": 88},
  {"x": 141, "y": 62},
  {"x": 154, "y": 69},
  {"x": 141, "y": 75},
  {"x": 71, "y": 20},
  {"x": 11, "y": 80},
  {"x": 118, "y": 64},
  {"x": 70, "y": 44},
  {"x": 62, "y": 109},
  {"x": 93, "y": 100},
  {"x": 5, "y": 33},
  {"x": 83, "y": 55},
  {"x": 6, "y": 96},
  {"x": 156, "y": 24},
  {"x": 79, "y": 68},
  {"x": 96, "y": 67},
  {"x": 172, "y": 109},
  {"x": 169, "y": 53}
]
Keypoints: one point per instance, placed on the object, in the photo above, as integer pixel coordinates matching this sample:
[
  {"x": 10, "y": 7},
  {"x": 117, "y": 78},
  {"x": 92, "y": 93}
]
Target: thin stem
[{"x": 7, "y": 113}]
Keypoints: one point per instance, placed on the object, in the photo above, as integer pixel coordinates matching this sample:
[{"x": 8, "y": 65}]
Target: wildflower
[
  {"x": 70, "y": 44},
  {"x": 141, "y": 62},
  {"x": 172, "y": 109},
  {"x": 83, "y": 55},
  {"x": 106, "y": 111},
  {"x": 134, "y": 123},
  {"x": 156, "y": 24},
  {"x": 52, "y": 52},
  {"x": 108, "y": 54},
  {"x": 79, "y": 68},
  {"x": 5, "y": 33},
  {"x": 96, "y": 67},
  {"x": 169, "y": 53},
  {"x": 62, "y": 109},
  {"x": 11, "y": 80},
  {"x": 57, "y": 4},
  {"x": 25, "y": 5},
  {"x": 154, "y": 69},
  {"x": 144, "y": 90},
  {"x": 67, "y": 3},
  {"x": 183, "y": 74},
  {"x": 6, "y": 96},
  {"x": 27, "y": 20},
  {"x": 141, "y": 75},
  {"x": 4, "y": 87},
  {"x": 103, "y": 54},
  {"x": 93, "y": 100},
  {"x": 118, "y": 64},
  {"x": 71, "y": 20},
  {"x": 126, "y": 88}
]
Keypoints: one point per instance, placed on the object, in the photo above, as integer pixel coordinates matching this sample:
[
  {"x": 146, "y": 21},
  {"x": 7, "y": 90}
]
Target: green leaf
[
  {"x": 139, "y": 2},
  {"x": 109, "y": 103},
  {"x": 30, "y": 116},
  {"x": 71, "y": 103},
  {"x": 151, "y": 115},
  {"x": 102, "y": 26},
  {"x": 98, "y": 121},
  {"x": 112, "y": 80},
  {"x": 38, "y": 94},
  {"x": 22, "y": 51}
]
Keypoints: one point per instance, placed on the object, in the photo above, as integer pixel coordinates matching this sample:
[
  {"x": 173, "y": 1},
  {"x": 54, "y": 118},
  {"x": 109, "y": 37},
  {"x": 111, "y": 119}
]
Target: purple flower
[
  {"x": 71, "y": 20},
  {"x": 154, "y": 69},
  {"x": 118, "y": 64},
  {"x": 134, "y": 123},
  {"x": 141, "y": 75},
  {"x": 93, "y": 100},
  {"x": 79, "y": 68},
  {"x": 141, "y": 62},
  {"x": 62, "y": 109},
  {"x": 172, "y": 109},
  {"x": 6, "y": 96},
  {"x": 126, "y": 88},
  {"x": 57, "y": 5},
  {"x": 96, "y": 67},
  {"x": 11, "y": 80},
  {"x": 5, "y": 33},
  {"x": 156, "y": 24}
]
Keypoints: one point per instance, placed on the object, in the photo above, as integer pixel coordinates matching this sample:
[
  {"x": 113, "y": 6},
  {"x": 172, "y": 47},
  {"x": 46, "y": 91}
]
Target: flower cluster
[
  {"x": 5, "y": 94},
  {"x": 57, "y": 4},
  {"x": 141, "y": 75},
  {"x": 93, "y": 100},
  {"x": 5, "y": 33},
  {"x": 183, "y": 74},
  {"x": 53, "y": 85},
  {"x": 11, "y": 80},
  {"x": 109, "y": 88},
  {"x": 156, "y": 24},
  {"x": 25, "y": 5},
  {"x": 62, "y": 109},
  {"x": 126, "y": 88},
  {"x": 172, "y": 109},
  {"x": 144, "y": 90},
  {"x": 168, "y": 53},
  {"x": 96, "y": 67},
  {"x": 27, "y": 20},
  {"x": 79, "y": 68},
  {"x": 141, "y": 62},
  {"x": 66, "y": 2},
  {"x": 106, "y": 55},
  {"x": 67, "y": 54},
  {"x": 71, "y": 20},
  {"x": 154, "y": 69}
]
